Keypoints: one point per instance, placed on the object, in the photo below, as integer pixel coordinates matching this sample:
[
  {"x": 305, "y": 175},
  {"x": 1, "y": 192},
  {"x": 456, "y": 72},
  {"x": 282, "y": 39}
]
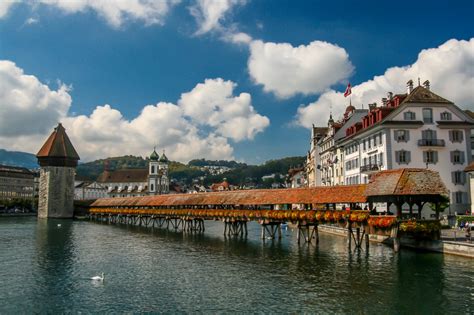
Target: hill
[
  {"x": 15, "y": 158},
  {"x": 241, "y": 174}
]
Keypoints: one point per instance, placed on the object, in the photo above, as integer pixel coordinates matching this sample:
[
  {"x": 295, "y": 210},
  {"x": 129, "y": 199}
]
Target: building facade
[
  {"x": 418, "y": 129},
  {"x": 16, "y": 183},
  {"x": 153, "y": 180},
  {"x": 85, "y": 190}
]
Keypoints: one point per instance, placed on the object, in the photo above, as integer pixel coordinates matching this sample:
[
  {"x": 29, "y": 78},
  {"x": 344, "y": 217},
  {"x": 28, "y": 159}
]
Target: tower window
[{"x": 153, "y": 169}]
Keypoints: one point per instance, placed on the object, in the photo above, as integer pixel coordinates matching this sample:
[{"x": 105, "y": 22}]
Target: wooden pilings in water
[
  {"x": 183, "y": 224},
  {"x": 271, "y": 229},
  {"x": 235, "y": 228},
  {"x": 308, "y": 231},
  {"x": 358, "y": 237}
]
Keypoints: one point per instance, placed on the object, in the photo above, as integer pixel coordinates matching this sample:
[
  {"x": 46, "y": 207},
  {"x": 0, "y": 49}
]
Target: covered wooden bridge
[{"x": 305, "y": 207}]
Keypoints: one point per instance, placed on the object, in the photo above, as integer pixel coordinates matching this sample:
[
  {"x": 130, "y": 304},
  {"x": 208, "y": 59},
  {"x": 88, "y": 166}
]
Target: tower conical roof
[{"x": 58, "y": 150}]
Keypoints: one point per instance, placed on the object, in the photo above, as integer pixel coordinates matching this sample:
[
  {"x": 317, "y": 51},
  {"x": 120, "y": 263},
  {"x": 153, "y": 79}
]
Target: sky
[{"x": 216, "y": 79}]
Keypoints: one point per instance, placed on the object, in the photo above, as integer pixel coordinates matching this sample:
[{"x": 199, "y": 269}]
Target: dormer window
[
  {"x": 427, "y": 115},
  {"x": 446, "y": 116},
  {"x": 409, "y": 115}
]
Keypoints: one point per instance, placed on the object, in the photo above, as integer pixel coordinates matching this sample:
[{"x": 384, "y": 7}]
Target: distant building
[
  {"x": 125, "y": 182},
  {"x": 16, "y": 183},
  {"x": 86, "y": 190},
  {"x": 220, "y": 186},
  {"x": 297, "y": 177},
  {"x": 138, "y": 182}
]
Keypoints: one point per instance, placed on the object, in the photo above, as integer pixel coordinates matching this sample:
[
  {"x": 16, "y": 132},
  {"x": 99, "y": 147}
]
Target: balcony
[
  {"x": 431, "y": 143},
  {"x": 370, "y": 168}
]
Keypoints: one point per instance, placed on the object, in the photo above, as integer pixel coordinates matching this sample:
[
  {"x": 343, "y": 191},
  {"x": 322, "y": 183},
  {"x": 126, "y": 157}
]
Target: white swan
[{"x": 98, "y": 278}]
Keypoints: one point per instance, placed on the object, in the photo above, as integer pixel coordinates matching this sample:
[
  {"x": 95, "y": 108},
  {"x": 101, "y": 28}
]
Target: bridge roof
[
  {"x": 406, "y": 182},
  {"x": 313, "y": 195}
]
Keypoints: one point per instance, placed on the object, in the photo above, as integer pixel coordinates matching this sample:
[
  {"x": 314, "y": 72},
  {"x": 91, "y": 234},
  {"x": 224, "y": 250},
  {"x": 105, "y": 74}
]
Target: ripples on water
[{"x": 46, "y": 269}]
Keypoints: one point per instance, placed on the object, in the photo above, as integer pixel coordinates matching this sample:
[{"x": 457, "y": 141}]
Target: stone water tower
[{"x": 58, "y": 160}]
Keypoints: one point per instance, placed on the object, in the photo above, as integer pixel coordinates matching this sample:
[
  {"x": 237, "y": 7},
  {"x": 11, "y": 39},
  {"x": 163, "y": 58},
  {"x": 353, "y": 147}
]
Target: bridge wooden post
[
  {"x": 349, "y": 234},
  {"x": 316, "y": 235},
  {"x": 366, "y": 229}
]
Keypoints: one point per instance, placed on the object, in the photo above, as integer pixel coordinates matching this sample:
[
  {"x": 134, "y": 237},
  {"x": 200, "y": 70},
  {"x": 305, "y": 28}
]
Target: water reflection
[{"x": 154, "y": 270}]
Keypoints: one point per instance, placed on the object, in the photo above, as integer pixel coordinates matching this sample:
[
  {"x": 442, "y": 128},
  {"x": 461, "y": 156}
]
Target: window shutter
[
  {"x": 461, "y": 136},
  {"x": 453, "y": 198},
  {"x": 397, "y": 157},
  {"x": 453, "y": 177},
  {"x": 451, "y": 135},
  {"x": 463, "y": 178},
  {"x": 408, "y": 156},
  {"x": 451, "y": 154},
  {"x": 395, "y": 135},
  {"x": 423, "y": 134},
  {"x": 425, "y": 156},
  {"x": 407, "y": 135},
  {"x": 433, "y": 134},
  {"x": 464, "y": 197},
  {"x": 435, "y": 157},
  {"x": 461, "y": 157}
]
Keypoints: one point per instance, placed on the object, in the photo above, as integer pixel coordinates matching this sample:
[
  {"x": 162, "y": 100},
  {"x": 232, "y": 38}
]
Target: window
[
  {"x": 152, "y": 187},
  {"x": 380, "y": 158},
  {"x": 402, "y": 157},
  {"x": 153, "y": 169},
  {"x": 430, "y": 157},
  {"x": 459, "y": 197},
  {"x": 402, "y": 135},
  {"x": 363, "y": 142},
  {"x": 428, "y": 134},
  {"x": 427, "y": 115},
  {"x": 455, "y": 135},
  {"x": 457, "y": 157},
  {"x": 380, "y": 139},
  {"x": 458, "y": 177},
  {"x": 446, "y": 116},
  {"x": 409, "y": 115}
]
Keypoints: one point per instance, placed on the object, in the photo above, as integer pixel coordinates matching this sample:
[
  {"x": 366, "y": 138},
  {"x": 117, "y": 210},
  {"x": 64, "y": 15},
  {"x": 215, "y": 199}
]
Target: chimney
[
  {"x": 384, "y": 101},
  {"x": 426, "y": 84},
  {"x": 372, "y": 106},
  {"x": 409, "y": 86},
  {"x": 389, "y": 96}
]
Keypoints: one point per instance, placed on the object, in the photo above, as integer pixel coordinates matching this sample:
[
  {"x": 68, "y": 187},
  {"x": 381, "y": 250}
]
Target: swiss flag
[{"x": 348, "y": 90}]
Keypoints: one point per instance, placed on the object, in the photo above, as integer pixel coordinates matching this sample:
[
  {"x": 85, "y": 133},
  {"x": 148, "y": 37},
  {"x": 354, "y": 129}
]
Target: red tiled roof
[
  {"x": 124, "y": 176},
  {"x": 58, "y": 145},
  {"x": 314, "y": 195}
]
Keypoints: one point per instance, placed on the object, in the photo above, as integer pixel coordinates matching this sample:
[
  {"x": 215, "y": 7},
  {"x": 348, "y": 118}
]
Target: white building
[
  {"x": 138, "y": 182},
  {"x": 418, "y": 129},
  {"x": 89, "y": 190}
]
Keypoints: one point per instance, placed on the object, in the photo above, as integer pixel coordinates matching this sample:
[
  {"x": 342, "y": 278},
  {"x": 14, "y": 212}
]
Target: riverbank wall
[{"x": 446, "y": 247}]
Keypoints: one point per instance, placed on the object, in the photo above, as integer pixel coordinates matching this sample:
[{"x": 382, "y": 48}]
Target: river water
[{"x": 46, "y": 269}]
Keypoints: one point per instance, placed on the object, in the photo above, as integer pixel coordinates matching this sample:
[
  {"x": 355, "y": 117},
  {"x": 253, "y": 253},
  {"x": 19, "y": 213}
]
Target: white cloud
[
  {"x": 307, "y": 69},
  {"x": 31, "y": 21},
  {"x": 29, "y": 110},
  {"x": 210, "y": 13},
  {"x": 5, "y": 6},
  {"x": 114, "y": 12},
  {"x": 27, "y": 106},
  {"x": 212, "y": 103},
  {"x": 449, "y": 68}
]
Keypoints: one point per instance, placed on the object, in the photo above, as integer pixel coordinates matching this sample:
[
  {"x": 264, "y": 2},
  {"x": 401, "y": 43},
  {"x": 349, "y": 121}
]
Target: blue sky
[{"x": 88, "y": 57}]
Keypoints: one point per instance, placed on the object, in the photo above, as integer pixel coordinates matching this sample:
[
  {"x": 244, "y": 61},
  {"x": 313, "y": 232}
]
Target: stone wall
[{"x": 56, "y": 192}]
